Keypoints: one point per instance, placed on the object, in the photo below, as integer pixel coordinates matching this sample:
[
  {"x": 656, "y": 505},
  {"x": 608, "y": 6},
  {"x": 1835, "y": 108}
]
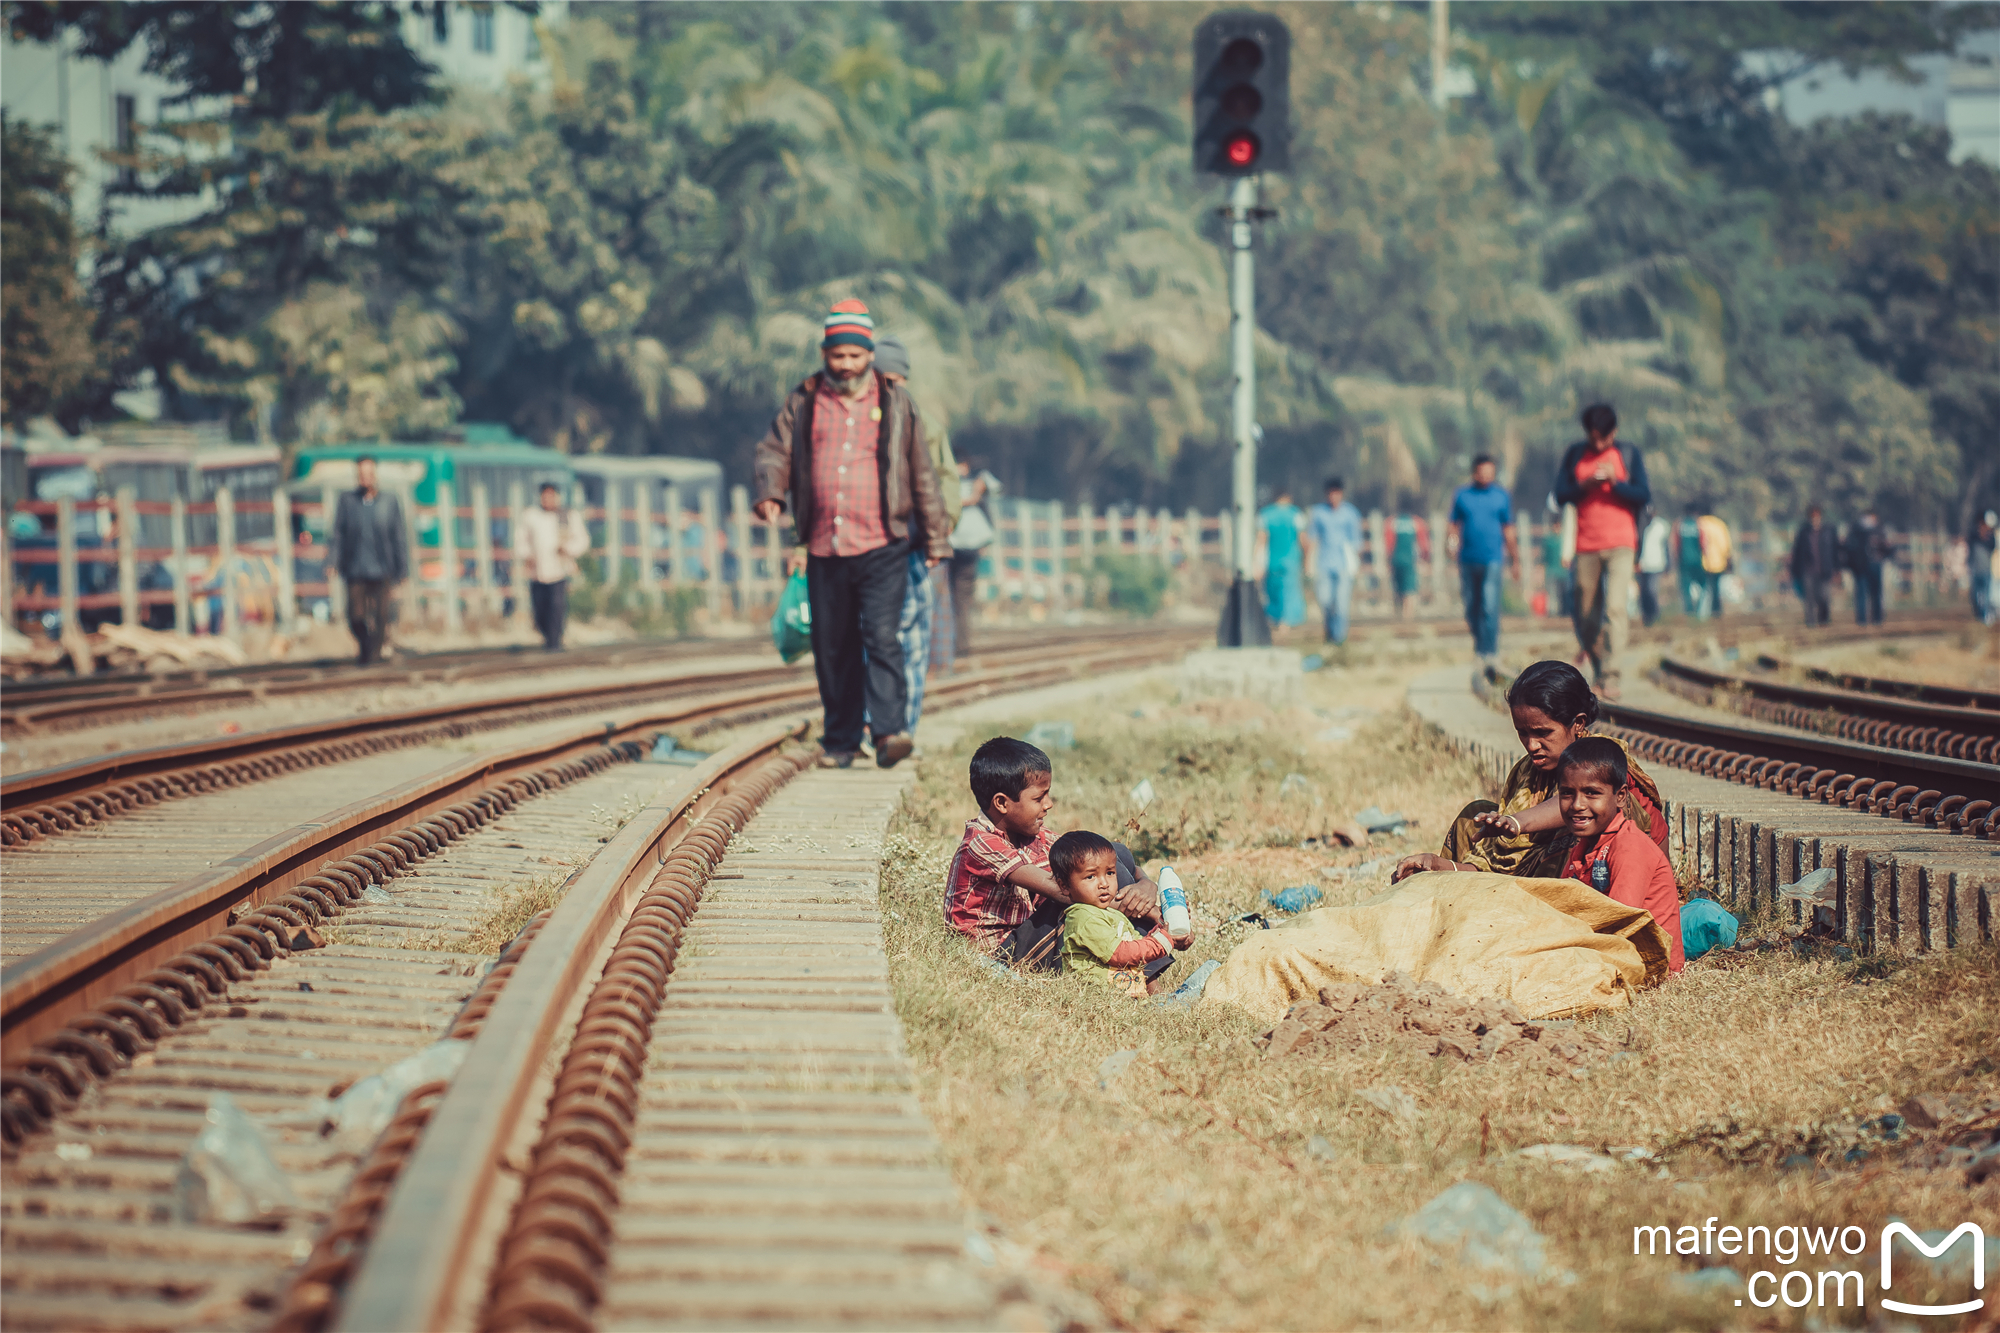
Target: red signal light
[{"x": 1241, "y": 149}]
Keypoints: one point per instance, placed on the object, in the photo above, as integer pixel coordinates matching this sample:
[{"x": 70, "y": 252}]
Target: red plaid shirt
[
  {"x": 846, "y": 477},
  {"x": 978, "y": 902}
]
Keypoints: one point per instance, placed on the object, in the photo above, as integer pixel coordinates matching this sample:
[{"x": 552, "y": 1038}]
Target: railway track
[
  {"x": 335, "y": 948},
  {"x": 33, "y": 706},
  {"x": 91, "y": 792},
  {"x": 1880, "y": 713},
  {"x": 1946, "y": 696},
  {"x": 38, "y": 706}
]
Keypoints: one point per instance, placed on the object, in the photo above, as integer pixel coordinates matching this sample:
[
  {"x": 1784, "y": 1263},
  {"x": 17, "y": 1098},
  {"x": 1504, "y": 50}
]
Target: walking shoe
[
  {"x": 838, "y": 758},
  {"x": 893, "y": 750}
]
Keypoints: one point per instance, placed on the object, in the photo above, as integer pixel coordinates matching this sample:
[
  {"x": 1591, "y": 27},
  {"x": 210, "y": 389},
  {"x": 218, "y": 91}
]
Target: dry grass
[
  {"x": 510, "y": 911},
  {"x": 1172, "y": 1210}
]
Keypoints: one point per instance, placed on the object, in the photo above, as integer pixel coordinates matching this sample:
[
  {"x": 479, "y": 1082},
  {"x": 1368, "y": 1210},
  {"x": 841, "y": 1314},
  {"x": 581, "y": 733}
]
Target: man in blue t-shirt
[
  {"x": 1482, "y": 525},
  {"x": 1333, "y": 536}
]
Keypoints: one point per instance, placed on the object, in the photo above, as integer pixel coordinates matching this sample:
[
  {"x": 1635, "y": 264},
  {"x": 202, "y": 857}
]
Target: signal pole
[{"x": 1244, "y": 624}]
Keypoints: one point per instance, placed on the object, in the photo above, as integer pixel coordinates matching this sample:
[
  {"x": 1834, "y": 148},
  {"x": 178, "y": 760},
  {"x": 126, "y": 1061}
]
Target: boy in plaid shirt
[{"x": 1000, "y": 893}]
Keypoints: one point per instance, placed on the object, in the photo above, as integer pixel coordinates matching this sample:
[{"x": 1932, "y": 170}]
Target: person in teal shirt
[
  {"x": 1278, "y": 527},
  {"x": 1407, "y": 547}
]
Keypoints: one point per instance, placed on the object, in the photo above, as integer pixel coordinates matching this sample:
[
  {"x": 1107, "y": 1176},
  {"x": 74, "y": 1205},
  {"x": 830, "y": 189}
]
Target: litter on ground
[
  {"x": 1052, "y": 735},
  {"x": 1295, "y": 899},
  {"x": 1428, "y": 1019},
  {"x": 1482, "y": 1228}
]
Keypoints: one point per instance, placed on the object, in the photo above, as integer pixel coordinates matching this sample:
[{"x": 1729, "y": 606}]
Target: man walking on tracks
[
  {"x": 372, "y": 553},
  {"x": 548, "y": 543},
  {"x": 1606, "y": 481},
  {"x": 1867, "y": 549},
  {"x": 848, "y": 448},
  {"x": 1815, "y": 566}
]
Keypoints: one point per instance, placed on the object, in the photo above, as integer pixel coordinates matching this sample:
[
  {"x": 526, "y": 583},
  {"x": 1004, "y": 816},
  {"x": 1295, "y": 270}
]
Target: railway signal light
[{"x": 1242, "y": 94}]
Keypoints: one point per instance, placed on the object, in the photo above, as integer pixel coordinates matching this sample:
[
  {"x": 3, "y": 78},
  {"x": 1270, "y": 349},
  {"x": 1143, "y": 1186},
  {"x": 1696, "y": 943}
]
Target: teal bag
[
  {"x": 1704, "y": 926},
  {"x": 791, "y": 624}
]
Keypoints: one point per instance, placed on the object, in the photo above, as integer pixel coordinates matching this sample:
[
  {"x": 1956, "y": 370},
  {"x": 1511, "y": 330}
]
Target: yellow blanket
[{"x": 1555, "y": 947}]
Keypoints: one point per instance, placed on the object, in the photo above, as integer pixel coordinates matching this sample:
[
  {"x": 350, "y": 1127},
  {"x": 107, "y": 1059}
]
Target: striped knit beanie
[{"x": 848, "y": 325}]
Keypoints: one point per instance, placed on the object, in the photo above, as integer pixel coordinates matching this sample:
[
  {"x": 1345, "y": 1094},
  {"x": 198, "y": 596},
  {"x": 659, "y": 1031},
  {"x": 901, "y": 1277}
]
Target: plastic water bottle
[{"x": 1174, "y": 905}]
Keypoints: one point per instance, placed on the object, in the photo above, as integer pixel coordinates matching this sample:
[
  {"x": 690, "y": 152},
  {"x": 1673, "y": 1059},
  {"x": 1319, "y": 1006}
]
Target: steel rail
[
  {"x": 71, "y": 795},
  {"x": 1872, "y": 718},
  {"x": 1955, "y": 795},
  {"x": 29, "y": 703},
  {"x": 1918, "y": 691}
]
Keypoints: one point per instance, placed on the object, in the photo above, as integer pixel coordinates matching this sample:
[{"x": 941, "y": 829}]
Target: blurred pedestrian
[
  {"x": 847, "y": 449},
  {"x": 371, "y": 550},
  {"x": 1718, "y": 556},
  {"x": 1333, "y": 536},
  {"x": 1815, "y": 565},
  {"x": 1866, "y": 550},
  {"x": 548, "y": 544},
  {"x": 1482, "y": 528},
  {"x": 1693, "y": 578},
  {"x": 920, "y": 604},
  {"x": 1557, "y": 555},
  {"x": 970, "y": 536},
  {"x": 1279, "y": 540},
  {"x": 1606, "y": 481},
  {"x": 1979, "y": 547},
  {"x": 1408, "y": 545},
  {"x": 1653, "y": 544}
]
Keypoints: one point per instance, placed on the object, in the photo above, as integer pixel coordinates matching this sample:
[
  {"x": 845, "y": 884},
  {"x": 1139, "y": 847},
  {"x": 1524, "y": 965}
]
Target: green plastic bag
[{"x": 791, "y": 625}]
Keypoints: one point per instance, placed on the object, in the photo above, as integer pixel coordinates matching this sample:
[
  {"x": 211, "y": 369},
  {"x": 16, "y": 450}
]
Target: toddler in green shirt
[{"x": 1098, "y": 939}]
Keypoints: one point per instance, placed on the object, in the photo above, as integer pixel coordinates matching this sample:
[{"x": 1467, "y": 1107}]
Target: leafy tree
[
  {"x": 1913, "y": 242},
  {"x": 320, "y": 187},
  {"x": 1703, "y": 69},
  {"x": 47, "y": 353}
]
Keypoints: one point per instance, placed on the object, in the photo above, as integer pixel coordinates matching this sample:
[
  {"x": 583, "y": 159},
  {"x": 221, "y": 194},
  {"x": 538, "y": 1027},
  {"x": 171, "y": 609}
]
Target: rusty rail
[
  {"x": 57, "y": 800},
  {"x": 1874, "y": 717}
]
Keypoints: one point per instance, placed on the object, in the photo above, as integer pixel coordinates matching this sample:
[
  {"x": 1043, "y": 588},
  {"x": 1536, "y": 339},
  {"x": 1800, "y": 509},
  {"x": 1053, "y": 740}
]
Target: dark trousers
[
  {"x": 549, "y": 603},
  {"x": 1479, "y": 589},
  {"x": 964, "y": 593},
  {"x": 1818, "y": 601},
  {"x": 1868, "y": 595},
  {"x": 857, "y": 604},
  {"x": 368, "y": 616},
  {"x": 1649, "y": 598}
]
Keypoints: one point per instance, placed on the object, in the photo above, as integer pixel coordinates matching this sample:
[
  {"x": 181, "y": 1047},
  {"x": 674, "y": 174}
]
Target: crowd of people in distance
[{"x": 1605, "y": 548}]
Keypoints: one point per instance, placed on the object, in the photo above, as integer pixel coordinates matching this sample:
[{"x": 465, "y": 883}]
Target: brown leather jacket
[{"x": 909, "y": 482}]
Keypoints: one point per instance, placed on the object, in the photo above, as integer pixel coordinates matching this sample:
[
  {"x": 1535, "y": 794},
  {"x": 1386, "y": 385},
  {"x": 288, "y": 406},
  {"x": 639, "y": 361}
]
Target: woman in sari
[{"x": 1523, "y": 834}]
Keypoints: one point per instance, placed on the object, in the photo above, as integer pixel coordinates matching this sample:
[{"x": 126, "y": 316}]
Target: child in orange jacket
[{"x": 1612, "y": 854}]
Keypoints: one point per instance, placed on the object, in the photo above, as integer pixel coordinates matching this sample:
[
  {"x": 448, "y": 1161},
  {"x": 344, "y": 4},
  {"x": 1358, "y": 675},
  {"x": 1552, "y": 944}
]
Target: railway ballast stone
[{"x": 1427, "y": 1019}]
